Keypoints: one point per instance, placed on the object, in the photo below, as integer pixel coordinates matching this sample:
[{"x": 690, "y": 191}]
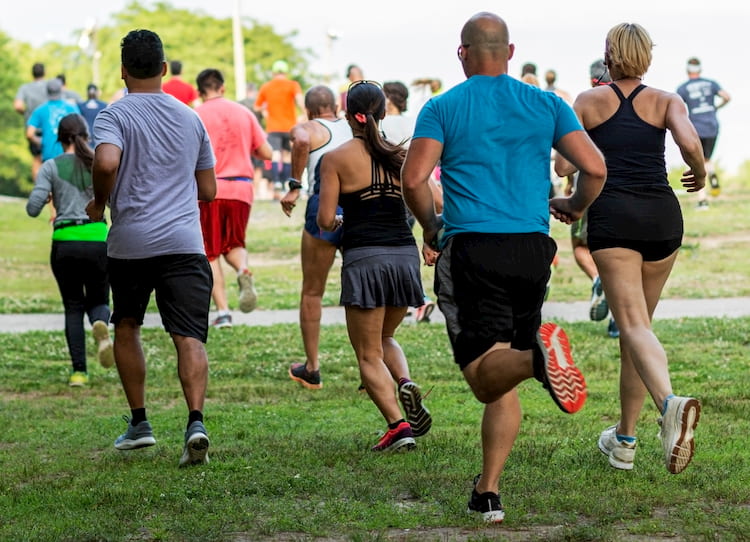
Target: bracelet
[{"x": 294, "y": 184}]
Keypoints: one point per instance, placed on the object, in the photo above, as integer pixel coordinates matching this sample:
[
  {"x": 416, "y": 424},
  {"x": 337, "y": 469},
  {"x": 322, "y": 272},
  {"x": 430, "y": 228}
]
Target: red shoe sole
[{"x": 567, "y": 384}]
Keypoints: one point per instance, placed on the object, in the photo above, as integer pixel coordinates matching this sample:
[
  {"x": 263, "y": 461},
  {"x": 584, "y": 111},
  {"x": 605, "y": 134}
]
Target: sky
[{"x": 408, "y": 39}]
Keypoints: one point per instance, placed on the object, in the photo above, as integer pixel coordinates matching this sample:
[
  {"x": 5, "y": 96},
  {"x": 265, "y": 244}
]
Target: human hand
[
  {"x": 95, "y": 212},
  {"x": 338, "y": 221},
  {"x": 429, "y": 254},
  {"x": 692, "y": 182},
  {"x": 289, "y": 202},
  {"x": 561, "y": 209},
  {"x": 432, "y": 235}
]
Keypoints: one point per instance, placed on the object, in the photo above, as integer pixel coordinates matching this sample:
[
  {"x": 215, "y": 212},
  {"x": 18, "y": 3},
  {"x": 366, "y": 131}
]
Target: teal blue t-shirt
[{"x": 497, "y": 135}]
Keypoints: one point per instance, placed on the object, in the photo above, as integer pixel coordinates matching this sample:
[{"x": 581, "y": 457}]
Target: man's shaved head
[
  {"x": 485, "y": 31},
  {"x": 320, "y": 98}
]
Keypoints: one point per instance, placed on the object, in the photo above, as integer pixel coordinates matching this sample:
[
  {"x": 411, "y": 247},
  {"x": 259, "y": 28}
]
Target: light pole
[
  {"x": 87, "y": 44},
  {"x": 239, "y": 53}
]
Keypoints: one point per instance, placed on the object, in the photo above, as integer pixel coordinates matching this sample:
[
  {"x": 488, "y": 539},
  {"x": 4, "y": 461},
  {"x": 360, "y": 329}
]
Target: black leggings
[{"x": 80, "y": 268}]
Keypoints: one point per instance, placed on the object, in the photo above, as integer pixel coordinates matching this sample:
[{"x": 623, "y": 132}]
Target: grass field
[{"x": 293, "y": 464}]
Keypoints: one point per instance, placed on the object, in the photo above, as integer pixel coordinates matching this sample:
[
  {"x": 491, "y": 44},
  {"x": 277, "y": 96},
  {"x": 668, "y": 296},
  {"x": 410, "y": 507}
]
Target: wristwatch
[{"x": 294, "y": 184}]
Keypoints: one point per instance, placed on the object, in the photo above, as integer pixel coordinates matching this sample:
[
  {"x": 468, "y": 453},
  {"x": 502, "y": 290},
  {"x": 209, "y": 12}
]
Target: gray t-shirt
[
  {"x": 154, "y": 203},
  {"x": 33, "y": 95}
]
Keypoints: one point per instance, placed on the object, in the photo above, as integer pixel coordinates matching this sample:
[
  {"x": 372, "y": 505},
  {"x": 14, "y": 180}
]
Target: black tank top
[
  {"x": 375, "y": 215},
  {"x": 633, "y": 149},
  {"x": 636, "y": 202}
]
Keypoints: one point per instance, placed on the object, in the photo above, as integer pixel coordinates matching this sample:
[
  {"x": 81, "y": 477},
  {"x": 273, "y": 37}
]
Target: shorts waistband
[
  {"x": 68, "y": 223},
  {"x": 244, "y": 179}
]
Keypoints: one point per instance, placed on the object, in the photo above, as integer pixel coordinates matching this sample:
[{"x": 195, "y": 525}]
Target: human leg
[
  {"x": 66, "y": 267},
  {"x": 317, "y": 258},
  {"x": 192, "y": 369},
  {"x": 96, "y": 288},
  {"x": 218, "y": 291}
]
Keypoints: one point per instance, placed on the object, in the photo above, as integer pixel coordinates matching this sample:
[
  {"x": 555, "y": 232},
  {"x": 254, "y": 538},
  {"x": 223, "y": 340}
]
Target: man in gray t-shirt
[
  {"x": 29, "y": 97},
  {"x": 153, "y": 162}
]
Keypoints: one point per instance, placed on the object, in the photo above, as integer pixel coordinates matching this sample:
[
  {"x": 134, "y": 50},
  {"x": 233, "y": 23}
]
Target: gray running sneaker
[
  {"x": 248, "y": 295},
  {"x": 137, "y": 436},
  {"x": 677, "y": 432},
  {"x": 599, "y": 306},
  {"x": 195, "y": 451},
  {"x": 620, "y": 453}
]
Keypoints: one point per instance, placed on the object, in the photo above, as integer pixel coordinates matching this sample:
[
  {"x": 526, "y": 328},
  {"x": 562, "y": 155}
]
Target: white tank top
[{"x": 340, "y": 133}]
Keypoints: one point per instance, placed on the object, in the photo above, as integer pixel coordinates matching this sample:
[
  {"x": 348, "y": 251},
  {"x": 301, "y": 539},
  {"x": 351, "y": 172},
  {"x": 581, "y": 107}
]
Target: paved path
[{"x": 578, "y": 311}]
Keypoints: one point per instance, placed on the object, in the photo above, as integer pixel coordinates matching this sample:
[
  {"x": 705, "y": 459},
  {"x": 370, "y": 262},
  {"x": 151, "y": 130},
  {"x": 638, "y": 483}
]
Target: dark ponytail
[{"x": 73, "y": 129}]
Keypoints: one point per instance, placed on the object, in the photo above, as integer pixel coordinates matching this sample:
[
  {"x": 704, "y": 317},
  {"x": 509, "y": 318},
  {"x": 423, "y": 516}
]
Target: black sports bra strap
[
  {"x": 617, "y": 91},
  {"x": 636, "y": 91}
]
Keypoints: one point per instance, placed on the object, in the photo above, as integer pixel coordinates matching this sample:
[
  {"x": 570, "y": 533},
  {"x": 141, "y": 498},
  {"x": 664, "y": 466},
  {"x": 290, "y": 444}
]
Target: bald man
[{"x": 493, "y": 135}]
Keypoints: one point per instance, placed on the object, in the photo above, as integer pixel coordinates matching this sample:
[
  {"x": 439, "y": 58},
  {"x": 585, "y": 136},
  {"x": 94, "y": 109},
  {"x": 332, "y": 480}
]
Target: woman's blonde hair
[{"x": 629, "y": 49}]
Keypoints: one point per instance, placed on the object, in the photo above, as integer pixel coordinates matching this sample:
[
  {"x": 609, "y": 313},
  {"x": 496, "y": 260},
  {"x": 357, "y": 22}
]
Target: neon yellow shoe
[{"x": 78, "y": 379}]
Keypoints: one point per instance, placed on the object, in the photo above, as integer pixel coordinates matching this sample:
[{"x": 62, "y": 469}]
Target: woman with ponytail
[
  {"x": 380, "y": 275},
  {"x": 79, "y": 248}
]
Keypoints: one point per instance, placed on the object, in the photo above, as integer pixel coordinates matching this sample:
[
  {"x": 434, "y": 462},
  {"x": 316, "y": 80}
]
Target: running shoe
[
  {"x": 416, "y": 413},
  {"x": 555, "y": 369},
  {"x": 621, "y": 453},
  {"x": 599, "y": 307},
  {"x": 78, "y": 379},
  {"x": 105, "y": 353},
  {"x": 702, "y": 205},
  {"x": 715, "y": 188},
  {"x": 309, "y": 379},
  {"x": 612, "y": 329},
  {"x": 422, "y": 314},
  {"x": 677, "y": 426},
  {"x": 396, "y": 440},
  {"x": 223, "y": 320},
  {"x": 137, "y": 436},
  {"x": 195, "y": 451},
  {"x": 488, "y": 504},
  {"x": 248, "y": 295}
]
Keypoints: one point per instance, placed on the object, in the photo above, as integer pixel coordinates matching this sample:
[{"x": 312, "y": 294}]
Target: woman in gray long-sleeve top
[{"x": 79, "y": 247}]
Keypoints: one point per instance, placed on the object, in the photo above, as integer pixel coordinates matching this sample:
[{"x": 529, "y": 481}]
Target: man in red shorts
[{"x": 236, "y": 137}]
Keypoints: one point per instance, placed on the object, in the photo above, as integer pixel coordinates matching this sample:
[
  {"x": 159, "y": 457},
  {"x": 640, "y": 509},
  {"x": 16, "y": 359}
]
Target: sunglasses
[{"x": 364, "y": 82}]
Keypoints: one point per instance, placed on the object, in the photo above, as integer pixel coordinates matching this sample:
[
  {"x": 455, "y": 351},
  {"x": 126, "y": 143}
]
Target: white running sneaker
[
  {"x": 676, "y": 433},
  {"x": 621, "y": 453}
]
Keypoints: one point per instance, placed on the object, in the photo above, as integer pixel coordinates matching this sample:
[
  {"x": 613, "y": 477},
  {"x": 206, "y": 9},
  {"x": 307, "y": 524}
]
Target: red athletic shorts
[{"x": 223, "y": 222}]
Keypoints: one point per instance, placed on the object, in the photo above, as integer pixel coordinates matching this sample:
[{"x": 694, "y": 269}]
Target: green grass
[
  {"x": 712, "y": 263},
  {"x": 293, "y": 464}
]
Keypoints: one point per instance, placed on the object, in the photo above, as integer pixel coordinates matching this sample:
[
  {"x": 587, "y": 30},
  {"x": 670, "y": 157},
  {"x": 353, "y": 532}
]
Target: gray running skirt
[{"x": 381, "y": 276}]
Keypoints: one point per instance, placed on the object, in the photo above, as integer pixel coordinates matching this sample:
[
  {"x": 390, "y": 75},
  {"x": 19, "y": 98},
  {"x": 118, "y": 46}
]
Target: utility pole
[{"x": 239, "y": 53}]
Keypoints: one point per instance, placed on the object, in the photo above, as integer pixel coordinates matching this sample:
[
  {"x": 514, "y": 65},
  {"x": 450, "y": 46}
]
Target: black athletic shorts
[
  {"x": 650, "y": 251},
  {"x": 708, "y": 144},
  {"x": 490, "y": 288},
  {"x": 280, "y": 141},
  {"x": 182, "y": 283}
]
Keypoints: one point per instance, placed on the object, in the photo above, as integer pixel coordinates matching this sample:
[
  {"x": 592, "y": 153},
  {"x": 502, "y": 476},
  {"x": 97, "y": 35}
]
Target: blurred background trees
[{"x": 93, "y": 55}]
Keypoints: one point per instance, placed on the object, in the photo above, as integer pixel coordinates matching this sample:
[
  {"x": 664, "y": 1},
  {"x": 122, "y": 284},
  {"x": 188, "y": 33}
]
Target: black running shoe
[{"x": 488, "y": 504}]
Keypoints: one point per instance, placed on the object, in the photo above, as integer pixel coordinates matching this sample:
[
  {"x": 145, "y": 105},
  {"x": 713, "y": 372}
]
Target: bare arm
[
  {"x": 103, "y": 176},
  {"x": 19, "y": 106},
  {"x": 420, "y": 162},
  {"x": 686, "y": 138},
  {"x": 300, "y": 139},
  {"x": 330, "y": 186},
  {"x": 206, "y": 179},
  {"x": 724, "y": 95},
  {"x": 264, "y": 152},
  {"x": 32, "y": 136}
]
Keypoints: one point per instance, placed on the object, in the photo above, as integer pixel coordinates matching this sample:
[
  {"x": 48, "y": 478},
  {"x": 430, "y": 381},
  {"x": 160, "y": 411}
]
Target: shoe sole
[
  {"x": 599, "y": 307},
  {"x": 404, "y": 444},
  {"x": 248, "y": 295},
  {"x": 142, "y": 442},
  {"x": 681, "y": 452},
  {"x": 222, "y": 325},
  {"x": 495, "y": 516},
  {"x": 105, "y": 351},
  {"x": 196, "y": 450},
  {"x": 424, "y": 317},
  {"x": 566, "y": 384},
  {"x": 304, "y": 382},
  {"x": 416, "y": 414}
]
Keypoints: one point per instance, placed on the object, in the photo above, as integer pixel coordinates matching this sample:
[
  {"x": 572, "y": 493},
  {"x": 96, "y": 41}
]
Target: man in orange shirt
[
  {"x": 278, "y": 100},
  {"x": 236, "y": 136},
  {"x": 178, "y": 88}
]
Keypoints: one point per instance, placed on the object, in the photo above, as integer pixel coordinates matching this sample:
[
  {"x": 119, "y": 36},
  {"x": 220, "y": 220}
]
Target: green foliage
[
  {"x": 292, "y": 464},
  {"x": 15, "y": 164}
]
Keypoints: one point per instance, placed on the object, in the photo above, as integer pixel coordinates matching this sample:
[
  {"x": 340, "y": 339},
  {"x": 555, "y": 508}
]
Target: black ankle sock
[
  {"x": 395, "y": 424},
  {"x": 137, "y": 415},
  {"x": 195, "y": 416}
]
